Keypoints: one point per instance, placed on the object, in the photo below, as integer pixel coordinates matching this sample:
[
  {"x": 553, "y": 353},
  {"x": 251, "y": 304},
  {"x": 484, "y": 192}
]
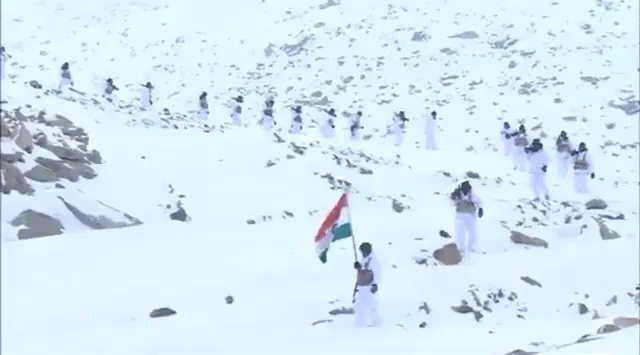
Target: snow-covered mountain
[{"x": 244, "y": 262}]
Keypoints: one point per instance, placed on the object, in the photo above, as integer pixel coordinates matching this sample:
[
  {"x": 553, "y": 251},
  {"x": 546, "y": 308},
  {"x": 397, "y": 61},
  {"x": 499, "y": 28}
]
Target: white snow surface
[{"x": 91, "y": 292}]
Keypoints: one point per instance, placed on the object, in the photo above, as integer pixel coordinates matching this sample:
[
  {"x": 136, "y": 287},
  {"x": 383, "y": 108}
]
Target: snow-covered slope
[{"x": 255, "y": 198}]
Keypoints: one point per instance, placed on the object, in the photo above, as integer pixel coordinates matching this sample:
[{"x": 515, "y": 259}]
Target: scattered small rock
[
  {"x": 35, "y": 84},
  {"x": 162, "y": 312},
  {"x": 229, "y": 299},
  {"x": 342, "y": 310},
  {"x": 596, "y": 204},
  {"x": 397, "y": 206},
  {"x": 464, "y": 308},
  {"x": 365, "y": 171},
  {"x": 606, "y": 233},
  {"x": 521, "y": 352},
  {"x": 521, "y": 238},
  {"x": 608, "y": 328},
  {"x": 582, "y": 308},
  {"x": 448, "y": 254},
  {"x": 322, "y": 321},
  {"x": 472, "y": 175},
  {"x": 465, "y": 35},
  {"x": 530, "y": 281},
  {"x": 179, "y": 215}
]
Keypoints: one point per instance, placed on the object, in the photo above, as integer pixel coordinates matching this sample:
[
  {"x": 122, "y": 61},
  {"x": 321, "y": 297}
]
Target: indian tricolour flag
[{"x": 336, "y": 226}]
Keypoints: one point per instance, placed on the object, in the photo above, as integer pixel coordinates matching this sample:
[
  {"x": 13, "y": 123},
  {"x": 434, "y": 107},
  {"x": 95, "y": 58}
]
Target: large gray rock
[
  {"x": 36, "y": 224},
  {"x": 67, "y": 169},
  {"x": 41, "y": 174},
  {"x": 14, "y": 180},
  {"x": 94, "y": 157},
  {"x": 5, "y": 130},
  {"x": 12, "y": 157},
  {"x": 24, "y": 139},
  {"x": 100, "y": 221},
  {"x": 65, "y": 152}
]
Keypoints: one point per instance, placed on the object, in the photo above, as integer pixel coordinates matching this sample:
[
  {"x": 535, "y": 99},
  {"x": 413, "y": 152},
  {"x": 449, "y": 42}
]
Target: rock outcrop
[{"x": 41, "y": 155}]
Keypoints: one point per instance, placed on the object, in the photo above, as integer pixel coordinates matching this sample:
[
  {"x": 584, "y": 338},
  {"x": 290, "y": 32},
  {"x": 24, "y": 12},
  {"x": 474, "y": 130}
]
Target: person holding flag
[{"x": 337, "y": 226}]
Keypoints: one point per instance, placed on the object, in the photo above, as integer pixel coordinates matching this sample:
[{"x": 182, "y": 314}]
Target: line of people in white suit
[
  {"x": 516, "y": 144},
  {"x": 327, "y": 123},
  {"x": 530, "y": 154},
  {"x": 526, "y": 155}
]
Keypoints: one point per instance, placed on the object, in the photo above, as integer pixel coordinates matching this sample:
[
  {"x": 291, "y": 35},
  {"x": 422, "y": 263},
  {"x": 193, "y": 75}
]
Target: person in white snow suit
[
  {"x": 399, "y": 123},
  {"x": 328, "y": 128},
  {"x": 66, "y": 80},
  {"x": 236, "y": 111},
  {"x": 468, "y": 209},
  {"x": 4, "y": 58},
  {"x": 296, "y": 120},
  {"x": 203, "y": 106},
  {"x": 368, "y": 276},
  {"x": 520, "y": 142},
  {"x": 563, "y": 154},
  {"x": 355, "y": 125},
  {"x": 538, "y": 162},
  {"x": 582, "y": 168},
  {"x": 267, "y": 115},
  {"x": 430, "y": 131},
  {"x": 146, "y": 95},
  {"x": 506, "y": 134},
  {"x": 109, "y": 89}
]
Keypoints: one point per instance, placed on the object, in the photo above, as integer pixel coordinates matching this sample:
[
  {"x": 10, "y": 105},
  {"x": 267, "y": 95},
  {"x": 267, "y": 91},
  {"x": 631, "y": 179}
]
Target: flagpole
[
  {"x": 353, "y": 234},
  {"x": 347, "y": 191}
]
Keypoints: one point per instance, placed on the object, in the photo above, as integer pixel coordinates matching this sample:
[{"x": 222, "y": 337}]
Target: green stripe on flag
[{"x": 342, "y": 232}]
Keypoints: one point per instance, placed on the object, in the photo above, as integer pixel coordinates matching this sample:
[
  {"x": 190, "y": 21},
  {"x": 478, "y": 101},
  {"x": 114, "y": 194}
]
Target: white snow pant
[
  {"x": 64, "y": 84},
  {"x": 538, "y": 181},
  {"x": 430, "y": 140},
  {"x": 507, "y": 147},
  {"x": 466, "y": 231},
  {"x": 355, "y": 134},
  {"x": 519, "y": 158},
  {"x": 327, "y": 131},
  {"x": 203, "y": 113},
  {"x": 564, "y": 162},
  {"x": 236, "y": 119},
  {"x": 296, "y": 127},
  {"x": 267, "y": 122},
  {"x": 365, "y": 308},
  {"x": 580, "y": 181},
  {"x": 398, "y": 137}
]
